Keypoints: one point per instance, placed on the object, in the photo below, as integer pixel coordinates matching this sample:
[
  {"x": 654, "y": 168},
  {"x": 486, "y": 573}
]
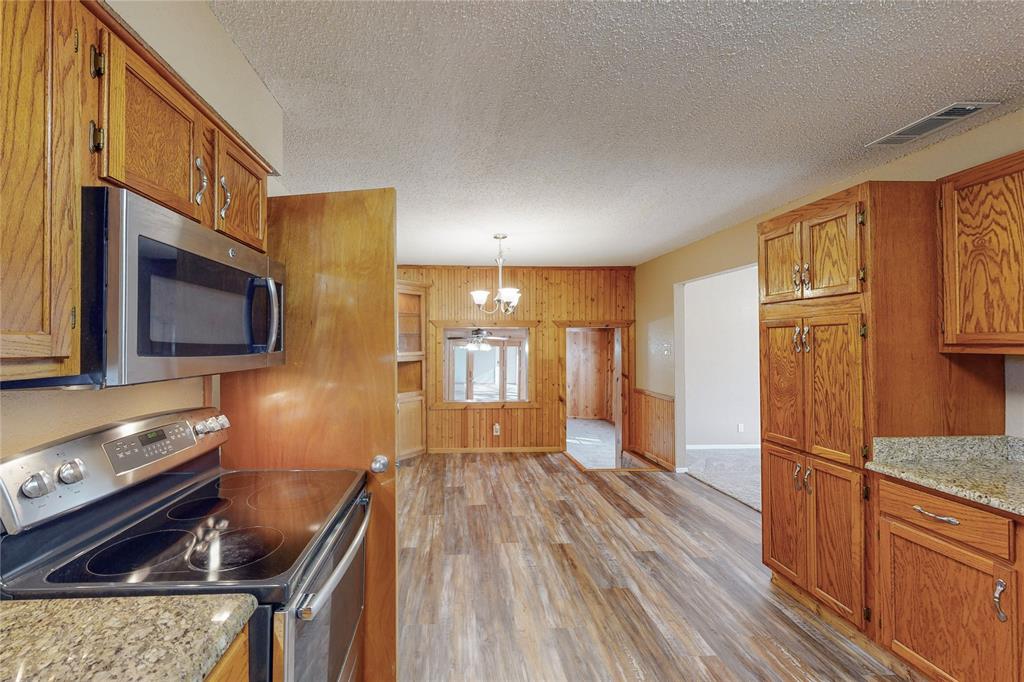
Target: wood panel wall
[
  {"x": 590, "y": 375},
  {"x": 652, "y": 426},
  {"x": 552, "y": 300}
]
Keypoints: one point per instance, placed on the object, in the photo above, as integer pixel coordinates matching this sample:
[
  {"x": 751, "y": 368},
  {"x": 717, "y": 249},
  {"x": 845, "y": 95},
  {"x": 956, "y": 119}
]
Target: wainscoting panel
[{"x": 652, "y": 427}]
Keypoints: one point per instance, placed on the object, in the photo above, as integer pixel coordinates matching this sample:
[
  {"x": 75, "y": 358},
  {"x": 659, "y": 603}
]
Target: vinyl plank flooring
[{"x": 522, "y": 567}]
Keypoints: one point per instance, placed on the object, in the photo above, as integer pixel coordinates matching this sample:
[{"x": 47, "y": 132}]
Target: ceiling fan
[{"x": 480, "y": 335}]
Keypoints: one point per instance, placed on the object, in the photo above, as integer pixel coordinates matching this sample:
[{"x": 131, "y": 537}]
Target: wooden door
[
  {"x": 983, "y": 254},
  {"x": 835, "y": 540},
  {"x": 938, "y": 610},
  {"x": 833, "y": 381},
  {"x": 782, "y": 382},
  {"x": 332, "y": 404},
  {"x": 39, "y": 193},
  {"x": 778, "y": 255},
  {"x": 153, "y": 134},
  {"x": 831, "y": 253},
  {"x": 241, "y": 191},
  {"x": 784, "y": 519}
]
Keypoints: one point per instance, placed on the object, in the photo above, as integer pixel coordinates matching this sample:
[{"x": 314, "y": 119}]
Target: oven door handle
[{"x": 312, "y": 603}]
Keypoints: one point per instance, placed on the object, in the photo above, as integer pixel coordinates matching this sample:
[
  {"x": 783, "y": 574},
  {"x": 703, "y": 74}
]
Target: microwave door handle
[
  {"x": 311, "y": 604},
  {"x": 275, "y": 314}
]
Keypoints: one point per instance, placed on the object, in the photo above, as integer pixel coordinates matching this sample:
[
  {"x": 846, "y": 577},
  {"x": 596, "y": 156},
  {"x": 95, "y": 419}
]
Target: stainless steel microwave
[{"x": 164, "y": 297}]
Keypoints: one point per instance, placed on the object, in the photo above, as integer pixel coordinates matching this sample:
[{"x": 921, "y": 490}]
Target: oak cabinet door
[
  {"x": 833, "y": 388},
  {"x": 938, "y": 606},
  {"x": 241, "y": 195},
  {"x": 782, "y": 392},
  {"x": 153, "y": 132},
  {"x": 835, "y": 543},
  {"x": 779, "y": 264},
  {"x": 39, "y": 195},
  {"x": 983, "y": 247},
  {"x": 784, "y": 522},
  {"x": 831, "y": 253}
]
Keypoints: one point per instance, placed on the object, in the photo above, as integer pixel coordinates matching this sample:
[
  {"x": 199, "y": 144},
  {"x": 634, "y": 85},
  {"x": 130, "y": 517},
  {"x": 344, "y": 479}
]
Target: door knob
[{"x": 379, "y": 464}]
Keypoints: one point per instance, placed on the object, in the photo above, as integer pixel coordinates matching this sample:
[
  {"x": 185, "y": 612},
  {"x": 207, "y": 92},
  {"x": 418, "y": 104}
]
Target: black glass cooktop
[{"x": 242, "y": 526}]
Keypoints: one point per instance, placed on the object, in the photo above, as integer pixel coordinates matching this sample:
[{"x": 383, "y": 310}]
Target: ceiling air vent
[{"x": 935, "y": 121}]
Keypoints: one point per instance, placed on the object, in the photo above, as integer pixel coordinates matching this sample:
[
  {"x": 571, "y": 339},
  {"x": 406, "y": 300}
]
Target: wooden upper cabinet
[
  {"x": 782, "y": 378},
  {"x": 153, "y": 134},
  {"x": 784, "y": 526},
  {"x": 835, "y": 530},
  {"x": 833, "y": 384},
  {"x": 938, "y": 606},
  {"x": 39, "y": 195},
  {"x": 779, "y": 257},
  {"x": 241, "y": 210},
  {"x": 982, "y": 217},
  {"x": 830, "y": 253}
]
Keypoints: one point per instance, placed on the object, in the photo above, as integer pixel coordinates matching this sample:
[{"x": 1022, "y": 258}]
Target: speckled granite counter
[
  {"x": 124, "y": 638},
  {"x": 984, "y": 469}
]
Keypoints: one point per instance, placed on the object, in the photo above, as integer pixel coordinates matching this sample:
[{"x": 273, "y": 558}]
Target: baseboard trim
[
  {"x": 466, "y": 451},
  {"x": 682, "y": 470},
  {"x": 742, "y": 446}
]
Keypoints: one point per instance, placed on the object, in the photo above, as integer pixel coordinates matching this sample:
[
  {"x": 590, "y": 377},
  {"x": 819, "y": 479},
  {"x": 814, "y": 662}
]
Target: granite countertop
[
  {"x": 120, "y": 638},
  {"x": 984, "y": 469}
]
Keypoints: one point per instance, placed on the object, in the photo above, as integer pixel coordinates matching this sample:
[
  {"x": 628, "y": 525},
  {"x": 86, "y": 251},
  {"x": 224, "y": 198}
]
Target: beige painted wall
[
  {"x": 737, "y": 246},
  {"x": 189, "y": 38}
]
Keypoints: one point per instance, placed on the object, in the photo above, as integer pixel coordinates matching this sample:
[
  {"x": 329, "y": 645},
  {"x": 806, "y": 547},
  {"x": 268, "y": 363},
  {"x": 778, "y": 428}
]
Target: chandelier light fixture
[{"x": 507, "y": 297}]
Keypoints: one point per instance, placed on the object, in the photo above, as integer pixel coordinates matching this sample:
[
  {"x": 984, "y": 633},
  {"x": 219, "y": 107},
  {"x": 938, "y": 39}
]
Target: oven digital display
[{"x": 152, "y": 437}]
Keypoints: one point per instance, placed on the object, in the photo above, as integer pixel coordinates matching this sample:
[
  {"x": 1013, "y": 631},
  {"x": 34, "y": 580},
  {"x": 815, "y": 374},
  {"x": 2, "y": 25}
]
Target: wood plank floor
[{"x": 522, "y": 567}]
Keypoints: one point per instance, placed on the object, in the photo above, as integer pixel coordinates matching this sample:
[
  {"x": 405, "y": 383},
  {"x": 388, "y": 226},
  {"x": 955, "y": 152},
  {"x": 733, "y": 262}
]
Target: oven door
[
  {"x": 319, "y": 633},
  {"x": 182, "y": 300}
]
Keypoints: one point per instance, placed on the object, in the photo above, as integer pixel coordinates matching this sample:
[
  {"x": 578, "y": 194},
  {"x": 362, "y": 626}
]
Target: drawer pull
[
  {"x": 951, "y": 520},
  {"x": 997, "y": 600},
  {"x": 796, "y": 477}
]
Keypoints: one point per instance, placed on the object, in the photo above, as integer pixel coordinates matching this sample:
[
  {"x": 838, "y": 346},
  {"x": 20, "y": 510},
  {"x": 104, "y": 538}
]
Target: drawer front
[{"x": 975, "y": 527}]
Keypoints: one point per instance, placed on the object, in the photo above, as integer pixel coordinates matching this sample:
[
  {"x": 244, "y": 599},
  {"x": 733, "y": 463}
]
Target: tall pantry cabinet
[{"x": 849, "y": 322}]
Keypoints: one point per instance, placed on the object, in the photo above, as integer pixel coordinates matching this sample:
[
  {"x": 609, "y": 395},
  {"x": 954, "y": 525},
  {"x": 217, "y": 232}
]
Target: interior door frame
[{"x": 623, "y": 364}]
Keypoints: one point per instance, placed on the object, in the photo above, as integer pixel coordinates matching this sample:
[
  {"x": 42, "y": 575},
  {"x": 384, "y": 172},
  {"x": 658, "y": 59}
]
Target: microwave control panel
[{"x": 140, "y": 449}]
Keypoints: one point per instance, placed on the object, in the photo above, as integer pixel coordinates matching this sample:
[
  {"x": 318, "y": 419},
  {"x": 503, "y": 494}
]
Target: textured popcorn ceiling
[{"x": 608, "y": 133}]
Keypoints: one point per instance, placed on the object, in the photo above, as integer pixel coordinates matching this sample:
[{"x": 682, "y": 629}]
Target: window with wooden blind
[{"x": 486, "y": 366}]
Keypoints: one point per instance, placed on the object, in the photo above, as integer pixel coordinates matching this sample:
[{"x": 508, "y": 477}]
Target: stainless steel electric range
[{"x": 143, "y": 507}]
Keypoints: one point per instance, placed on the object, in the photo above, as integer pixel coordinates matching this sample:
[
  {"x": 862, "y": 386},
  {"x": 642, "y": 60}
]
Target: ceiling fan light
[
  {"x": 483, "y": 345},
  {"x": 472, "y": 346},
  {"x": 480, "y": 296}
]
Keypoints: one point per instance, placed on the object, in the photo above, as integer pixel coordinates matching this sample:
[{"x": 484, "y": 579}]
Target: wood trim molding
[
  {"x": 654, "y": 394},
  {"x": 484, "y": 324},
  {"x": 544, "y": 449},
  {"x": 594, "y": 324},
  {"x": 507, "y": 405}
]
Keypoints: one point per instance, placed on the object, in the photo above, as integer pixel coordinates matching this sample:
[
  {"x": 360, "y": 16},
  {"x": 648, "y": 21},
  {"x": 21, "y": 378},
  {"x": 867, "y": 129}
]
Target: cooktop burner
[
  {"x": 148, "y": 550},
  {"x": 244, "y": 526},
  {"x": 235, "y": 548}
]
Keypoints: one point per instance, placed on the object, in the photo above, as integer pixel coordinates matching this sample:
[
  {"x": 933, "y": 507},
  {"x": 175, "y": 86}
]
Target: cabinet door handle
[
  {"x": 805, "y": 276},
  {"x": 951, "y": 520},
  {"x": 796, "y": 277},
  {"x": 227, "y": 198},
  {"x": 204, "y": 181},
  {"x": 796, "y": 477},
  {"x": 803, "y": 339},
  {"x": 807, "y": 481},
  {"x": 796, "y": 338},
  {"x": 997, "y": 600}
]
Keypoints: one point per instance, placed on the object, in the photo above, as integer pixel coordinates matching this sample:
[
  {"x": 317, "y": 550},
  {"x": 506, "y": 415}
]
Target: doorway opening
[
  {"x": 718, "y": 427},
  {"x": 593, "y": 382}
]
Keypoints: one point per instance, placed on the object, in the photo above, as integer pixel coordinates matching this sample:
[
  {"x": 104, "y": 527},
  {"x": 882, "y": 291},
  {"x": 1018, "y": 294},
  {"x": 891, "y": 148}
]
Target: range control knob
[
  {"x": 71, "y": 471},
  {"x": 38, "y": 484},
  {"x": 212, "y": 425},
  {"x": 201, "y": 428},
  {"x": 223, "y": 421}
]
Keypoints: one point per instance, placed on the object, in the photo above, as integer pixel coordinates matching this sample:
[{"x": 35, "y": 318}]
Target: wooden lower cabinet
[
  {"x": 233, "y": 666},
  {"x": 938, "y": 610},
  {"x": 813, "y": 527},
  {"x": 784, "y": 527}
]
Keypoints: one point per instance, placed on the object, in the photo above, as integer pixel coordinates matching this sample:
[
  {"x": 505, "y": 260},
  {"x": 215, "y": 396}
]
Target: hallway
[{"x": 522, "y": 567}]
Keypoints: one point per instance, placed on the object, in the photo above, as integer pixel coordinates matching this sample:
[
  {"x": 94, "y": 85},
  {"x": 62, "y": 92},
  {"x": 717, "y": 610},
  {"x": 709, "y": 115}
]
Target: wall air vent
[{"x": 935, "y": 121}]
